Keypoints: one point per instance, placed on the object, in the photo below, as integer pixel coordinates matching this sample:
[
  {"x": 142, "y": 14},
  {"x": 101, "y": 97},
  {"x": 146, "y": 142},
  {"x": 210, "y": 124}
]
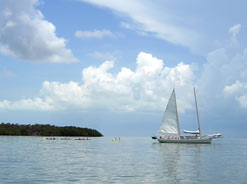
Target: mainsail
[{"x": 170, "y": 120}]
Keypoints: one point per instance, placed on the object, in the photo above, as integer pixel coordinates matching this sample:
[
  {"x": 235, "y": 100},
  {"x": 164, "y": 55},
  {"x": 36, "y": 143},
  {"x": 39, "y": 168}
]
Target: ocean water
[{"x": 34, "y": 160}]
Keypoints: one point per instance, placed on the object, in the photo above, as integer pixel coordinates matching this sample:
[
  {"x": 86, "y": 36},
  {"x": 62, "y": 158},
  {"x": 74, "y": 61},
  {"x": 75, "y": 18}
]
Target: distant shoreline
[{"x": 8, "y": 129}]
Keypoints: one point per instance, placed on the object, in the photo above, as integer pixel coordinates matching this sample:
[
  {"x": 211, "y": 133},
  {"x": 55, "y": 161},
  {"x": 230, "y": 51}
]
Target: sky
[{"x": 112, "y": 65}]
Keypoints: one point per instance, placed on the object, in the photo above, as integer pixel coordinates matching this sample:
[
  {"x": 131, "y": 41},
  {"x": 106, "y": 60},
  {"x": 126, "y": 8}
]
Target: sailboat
[{"x": 170, "y": 126}]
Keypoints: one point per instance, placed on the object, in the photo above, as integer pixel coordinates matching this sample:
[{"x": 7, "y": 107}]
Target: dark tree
[{"x": 46, "y": 130}]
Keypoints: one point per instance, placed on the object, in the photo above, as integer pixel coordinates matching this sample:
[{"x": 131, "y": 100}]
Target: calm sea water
[{"x": 31, "y": 160}]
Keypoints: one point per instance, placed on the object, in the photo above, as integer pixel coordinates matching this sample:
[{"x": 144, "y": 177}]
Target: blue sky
[{"x": 112, "y": 65}]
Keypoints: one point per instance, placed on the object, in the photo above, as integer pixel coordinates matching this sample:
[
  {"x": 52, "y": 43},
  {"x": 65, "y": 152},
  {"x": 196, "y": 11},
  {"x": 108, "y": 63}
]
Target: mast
[
  {"x": 199, "y": 128},
  {"x": 177, "y": 114}
]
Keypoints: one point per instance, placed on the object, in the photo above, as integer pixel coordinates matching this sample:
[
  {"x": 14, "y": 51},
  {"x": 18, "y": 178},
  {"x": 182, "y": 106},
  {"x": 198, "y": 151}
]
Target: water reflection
[{"x": 180, "y": 162}]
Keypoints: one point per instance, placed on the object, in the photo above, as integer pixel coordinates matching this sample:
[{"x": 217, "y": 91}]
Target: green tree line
[{"x": 46, "y": 130}]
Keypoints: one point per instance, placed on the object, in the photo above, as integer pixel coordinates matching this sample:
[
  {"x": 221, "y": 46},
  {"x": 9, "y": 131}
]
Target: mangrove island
[{"x": 46, "y": 130}]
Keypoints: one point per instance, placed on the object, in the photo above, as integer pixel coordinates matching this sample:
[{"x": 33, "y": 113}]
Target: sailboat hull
[{"x": 186, "y": 141}]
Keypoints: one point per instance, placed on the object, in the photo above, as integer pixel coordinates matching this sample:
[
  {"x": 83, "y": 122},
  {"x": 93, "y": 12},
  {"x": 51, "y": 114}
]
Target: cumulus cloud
[
  {"x": 234, "y": 88},
  {"x": 223, "y": 77},
  {"x": 219, "y": 71},
  {"x": 242, "y": 100},
  {"x": 239, "y": 91},
  {"x": 235, "y": 29},
  {"x": 94, "y": 34},
  {"x": 146, "y": 88},
  {"x": 26, "y": 35}
]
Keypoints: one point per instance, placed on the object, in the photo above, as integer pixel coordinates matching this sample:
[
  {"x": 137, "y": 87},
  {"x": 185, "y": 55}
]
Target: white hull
[{"x": 205, "y": 140}]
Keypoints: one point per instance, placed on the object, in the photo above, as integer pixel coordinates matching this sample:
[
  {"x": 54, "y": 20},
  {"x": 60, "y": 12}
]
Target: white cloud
[
  {"x": 237, "y": 86},
  {"x": 146, "y": 18},
  {"x": 105, "y": 55},
  {"x": 235, "y": 29},
  {"x": 219, "y": 71},
  {"x": 239, "y": 91},
  {"x": 146, "y": 88},
  {"x": 223, "y": 78},
  {"x": 242, "y": 100},
  {"x": 94, "y": 34},
  {"x": 184, "y": 23},
  {"x": 28, "y": 104},
  {"x": 26, "y": 35},
  {"x": 64, "y": 94}
]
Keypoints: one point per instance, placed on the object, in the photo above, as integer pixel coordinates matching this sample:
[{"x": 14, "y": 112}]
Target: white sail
[{"x": 170, "y": 121}]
